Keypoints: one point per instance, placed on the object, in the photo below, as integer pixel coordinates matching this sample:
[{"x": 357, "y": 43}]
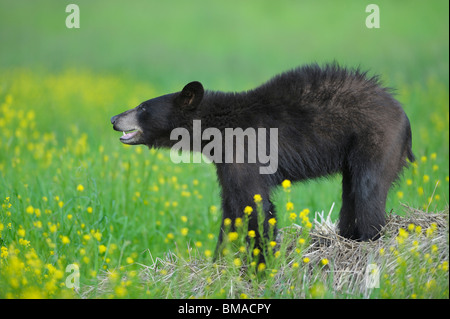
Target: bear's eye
[{"x": 143, "y": 108}]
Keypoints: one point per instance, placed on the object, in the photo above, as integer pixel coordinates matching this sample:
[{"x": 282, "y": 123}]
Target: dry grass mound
[{"x": 410, "y": 260}]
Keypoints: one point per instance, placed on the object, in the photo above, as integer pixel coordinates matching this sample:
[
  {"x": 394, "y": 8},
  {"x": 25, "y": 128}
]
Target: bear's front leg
[{"x": 238, "y": 192}]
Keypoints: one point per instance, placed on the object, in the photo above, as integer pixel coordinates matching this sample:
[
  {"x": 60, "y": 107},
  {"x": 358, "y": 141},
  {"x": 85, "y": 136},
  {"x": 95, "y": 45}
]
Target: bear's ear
[{"x": 191, "y": 96}]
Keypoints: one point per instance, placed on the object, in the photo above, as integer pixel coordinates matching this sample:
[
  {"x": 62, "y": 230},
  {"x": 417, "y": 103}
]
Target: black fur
[{"x": 330, "y": 120}]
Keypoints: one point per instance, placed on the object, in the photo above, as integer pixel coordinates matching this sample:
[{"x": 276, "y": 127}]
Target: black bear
[{"x": 328, "y": 120}]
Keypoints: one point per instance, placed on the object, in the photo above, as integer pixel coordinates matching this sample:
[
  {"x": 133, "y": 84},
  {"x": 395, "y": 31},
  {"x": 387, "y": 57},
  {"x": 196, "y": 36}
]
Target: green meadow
[{"x": 127, "y": 219}]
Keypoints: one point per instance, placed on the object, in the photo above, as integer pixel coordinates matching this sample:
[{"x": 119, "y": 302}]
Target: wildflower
[
  {"x": 423, "y": 159},
  {"x": 238, "y": 222},
  {"x": 418, "y": 230},
  {"x": 129, "y": 260},
  {"x": 69, "y": 216},
  {"x": 243, "y": 296},
  {"x": 60, "y": 204},
  {"x": 248, "y": 210},
  {"x": 227, "y": 222},
  {"x": 29, "y": 210},
  {"x": 3, "y": 252},
  {"x": 400, "y": 194},
  {"x": 301, "y": 241},
  {"x": 21, "y": 232},
  {"x": 411, "y": 227},
  {"x": 184, "y": 231},
  {"x": 409, "y": 182},
  {"x": 208, "y": 253},
  {"x": 286, "y": 184},
  {"x": 420, "y": 190},
  {"x": 257, "y": 198},
  {"x": 403, "y": 233},
  {"x": 232, "y": 236},
  {"x": 295, "y": 265},
  {"x": 306, "y": 260},
  {"x": 237, "y": 262},
  {"x": 292, "y": 216},
  {"x": 80, "y": 188},
  {"x": 101, "y": 249},
  {"x": 261, "y": 267},
  {"x": 381, "y": 251},
  {"x": 289, "y": 206},
  {"x": 272, "y": 221},
  {"x": 273, "y": 243},
  {"x": 251, "y": 234},
  {"x": 324, "y": 261},
  {"x": 65, "y": 240},
  {"x": 426, "y": 178},
  {"x": 198, "y": 244},
  {"x": 256, "y": 252},
  {"x": 184, "y": 219},
  {"x": 97, "y": 235}
]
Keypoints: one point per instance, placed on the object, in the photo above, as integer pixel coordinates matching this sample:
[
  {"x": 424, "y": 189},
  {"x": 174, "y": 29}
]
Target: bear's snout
[{"x": 113, "y": 119}]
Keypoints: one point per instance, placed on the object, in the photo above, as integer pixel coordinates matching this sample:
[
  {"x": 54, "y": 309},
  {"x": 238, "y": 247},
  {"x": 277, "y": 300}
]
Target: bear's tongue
[{"x": 127, "y": 136}]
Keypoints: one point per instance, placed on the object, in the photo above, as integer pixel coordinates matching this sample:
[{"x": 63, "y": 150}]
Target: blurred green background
[{"x": 229, "y": 45}]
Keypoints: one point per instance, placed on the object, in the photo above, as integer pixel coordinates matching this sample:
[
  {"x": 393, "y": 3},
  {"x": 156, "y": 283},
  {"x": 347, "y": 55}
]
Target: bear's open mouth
[{"x": 128, "y": 136}]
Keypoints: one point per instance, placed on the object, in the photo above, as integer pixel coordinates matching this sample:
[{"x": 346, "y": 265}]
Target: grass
[{"x": 136, "y": 225}]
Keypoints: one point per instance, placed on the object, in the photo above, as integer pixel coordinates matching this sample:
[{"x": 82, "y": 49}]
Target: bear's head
[{"x": 151, "y": 122}]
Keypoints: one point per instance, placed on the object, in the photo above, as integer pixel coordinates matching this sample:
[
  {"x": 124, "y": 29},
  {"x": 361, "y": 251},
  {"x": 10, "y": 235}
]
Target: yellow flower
[
  {"x": 426, "y": 178},
  {"x": 292, "y": 216},
  {"x": 184, "y": 219},
  {"x": 21, "y": 232},
  {"x": 381, "y": 251},
  {"x": 80, "y": 188},
  {"x": 101, "y": 249},
  {"x": 289, "y": 206},
  {"x": 273, "y": 243},
  {"x": 198, "y": 244},
  {"x": 409, "y": 182},
  {"x": 400, "y": 194},
  {"x": 272, "y": 221},
  {"x": 295, "y": 265},
  {"x": 237, "y": 262},
  {"x": 256, "y": 252},
  {"x": 65, "y": 240},
  {"x": 30, "y": 210},
  {"x": 261, "y": 267},
  {"x": 306, "y": 260},
  {"x": 324, "y": 261},
  {"x": 89, "y": 210},
  {"x": 61, "y": 204},
  {"x": 403, "y": 233},
  {"x": 232, "y": 236},
  {"x": 248, "y": 210},
  {"x": 227, "y": 222},
  {"x": 184, "y": 231},
  {"x": 129, "y": 260},
  {"x": 251, "y": 234},
  {"x": 208, "y": 253},
  {"x": 257, "y": 198},
  {"x": 286, "y": 184},
  {"x": 420, "y": 190},
  {"x": 238, "y": 222}
]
